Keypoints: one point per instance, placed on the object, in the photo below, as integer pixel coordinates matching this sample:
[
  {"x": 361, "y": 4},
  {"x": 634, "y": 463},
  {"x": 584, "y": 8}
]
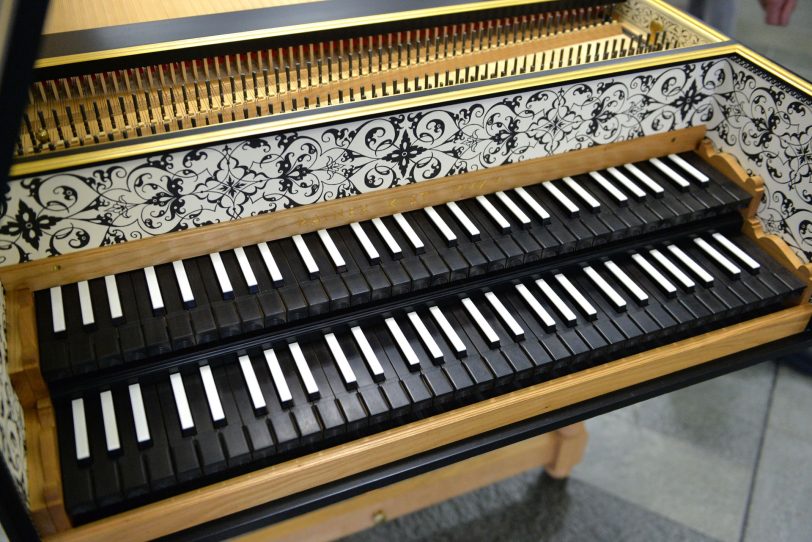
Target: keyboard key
[
  {"x": 627, "y": 183},
  {"x": 80, "y": 440},
  {"x": 278, "y": 378},
  {"x": 462, "y": 218},
  {"x": 310, "y": 387},
  {"x": 650, "y": 183},
  {"x": 507, "y": 318},
  {"x": 85, "y": 304},
  {"x": 183, "y": 284},
  {"x": 717, "y": 256},
  {"x": 388, "y": 239},
  {"x": 593, "y": 204},
  {"x": 691, "y": 170},
  {"x": 690, "y": 263},
  {"x": 454, "y": 340},
  {"x": 737, "y": 252},
  {"x": 109, "y": 418},
  {"x": 270, "y": 263},
  {"x": 533, "y": 203},
  {"x": 307, "y": 257},
  {"x": 372, "y": 253},
  {"x": 402, "y": 342},
  {"x": 675, "y": 271},
  {"x": 222, "y": 275},
  {"x": 490, "y": 336},
  {"x": 347, "y": 374},
  {"x": 611, "y": 189},
  {"x": 187, "y": 424},
  {"x": 246, "y": 270},
  {"x": 154, "y": 290},
  {"x": 139, "y": 415},
  {"x": 675, "y": 177},
  {"x": 332, "y": 251},
  {"x": 410, "y": 234},
  {"x": 447, "y": 233},
  {"x": 603, "y": 286},
  {"x": 563, "y": 310},
  {"x": 559, "y": 196},
  {"x": 426, "y": 338},
  {"x": 655, "y": 275},
  {"x": 212, "y": 395},
  {"x": 251, "y": 383},
  {"x": 368, "y": 353},
  {"x": 113, "y": 300},
  {"x": 627, "y": 282},
  {"x": 547, "y": 322},
  {"x": 515, "y": 210},
  {"x": 586, "y": 307}
]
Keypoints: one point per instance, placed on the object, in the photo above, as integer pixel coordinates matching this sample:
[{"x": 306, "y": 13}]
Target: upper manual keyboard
[{"x": 167, "y": 308}]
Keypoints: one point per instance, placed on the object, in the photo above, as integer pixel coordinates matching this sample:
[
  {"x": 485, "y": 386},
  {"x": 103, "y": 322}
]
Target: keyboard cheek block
[{"x": 226, "y": 365}]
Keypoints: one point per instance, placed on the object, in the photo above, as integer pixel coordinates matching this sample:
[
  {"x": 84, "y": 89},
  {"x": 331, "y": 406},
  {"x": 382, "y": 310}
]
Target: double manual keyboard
[
  {"x": 144, "y": 314},
  {"x": 130, "y": 439}
]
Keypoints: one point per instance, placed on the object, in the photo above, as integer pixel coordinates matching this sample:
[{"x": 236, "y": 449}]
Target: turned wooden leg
[{"x": 569, "y": 449}]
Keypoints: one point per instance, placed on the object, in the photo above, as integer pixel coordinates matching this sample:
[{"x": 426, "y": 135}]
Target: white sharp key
[
  {"x": 655, "y": 275},
  {"x": 546, "y": 320},
  {"x": 369, "y": 354},
  {"x": 533, "y": 204},
  {"x": 183, "y": 284},
  {"x": 675, "y": 271},
  {"x": 366, "y": 244},
  {"x": 571, "y": 208},
  {"x": 109, "y": 420},
  {"x": 57, "y": 310},
  {"x": 307, "y": 257},
  {"x": 675, "y": 177},
  {"x": 409, "y": 232},
  {"x": 449, "y": 236},
  {"x": 636, "y": 191},
  {"x": 278, "y": 377},
  {"x": 736, "y": 251},
  {"x": 332, "y": 250},
  {"x": 729, "y": 266},
  {"x": 493, "y": 212},
  {"x": 628, "y": 283},
  {"x": 270, "y": 263},
  {"x": 341, "y": 361},
  {"x": 462, "y": 218},
  {"x": 431, "y": 345},
  {"x": 139, "y": 414},
  {"x": 254, "y": 391},
  {"x": 181, "y": 402},
  {"x": 520, "y": 215},
  {"x": 611, "y": 293},
  {"x": 619, "y": 196},
  {"x": 641, "y": 176},
  {"x": 453, "y": 339},
  {"x": 402, "y": 342},
  {"x": 582, "y": 193},
  {"x": 507, "y": 318},
  {"x": 691, "y": 170},
  {"x": 487, "y": 331},
  {"x": 212, "y": 396},
  {"x": 579, "y": 298},
  {"x": 85, "y": 303},
  {"x": 154, "y": 289},
  {"x": 390, "y": 242},
  {"x": 690, "y": 263},
  {"x": 80, "y": 430},
  {"x": 113, "y": 300},
  {"x": 222, "y": 275},
  {"x": 562, "y": 308},
  {"x": 311, "y": 389},
  {"x": 246, "y": 270}
]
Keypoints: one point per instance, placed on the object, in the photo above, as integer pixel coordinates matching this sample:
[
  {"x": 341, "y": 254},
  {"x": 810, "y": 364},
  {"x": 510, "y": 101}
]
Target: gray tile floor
[{"x": 727, "y": 459}]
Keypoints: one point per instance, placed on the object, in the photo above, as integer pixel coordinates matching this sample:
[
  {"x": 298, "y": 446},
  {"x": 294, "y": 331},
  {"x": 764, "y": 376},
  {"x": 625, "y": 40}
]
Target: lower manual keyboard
[{"x": 130, "y": 441}]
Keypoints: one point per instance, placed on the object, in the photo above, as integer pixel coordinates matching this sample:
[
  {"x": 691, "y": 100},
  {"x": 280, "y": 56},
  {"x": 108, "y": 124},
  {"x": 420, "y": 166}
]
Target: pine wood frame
[{"x": 270, "y": 483}]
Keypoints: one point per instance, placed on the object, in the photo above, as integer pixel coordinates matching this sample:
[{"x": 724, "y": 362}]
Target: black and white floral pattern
[
  {"x": 101, "y": 205},
  {"x": 12, "y": 427}
]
